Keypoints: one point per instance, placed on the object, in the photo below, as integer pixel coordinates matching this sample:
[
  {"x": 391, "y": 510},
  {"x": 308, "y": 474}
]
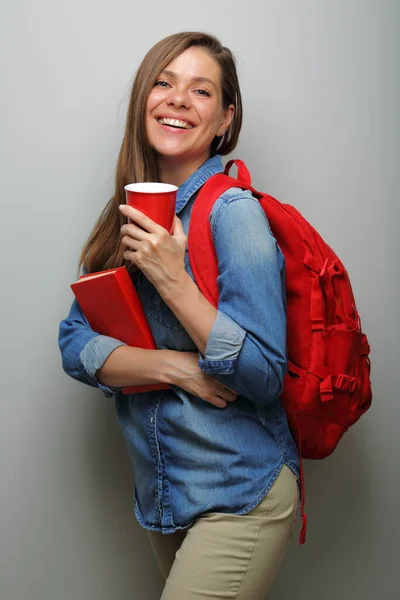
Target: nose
[{"x": 178, "y": 97}]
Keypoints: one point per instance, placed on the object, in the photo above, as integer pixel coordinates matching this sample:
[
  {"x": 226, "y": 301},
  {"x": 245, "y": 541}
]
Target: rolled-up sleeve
[
  {"x": 246, "y": 349},
  {"x": 93, "y": 357},
  {"x": 223, "y": 345},
  {"x": 83, "y": 351}
]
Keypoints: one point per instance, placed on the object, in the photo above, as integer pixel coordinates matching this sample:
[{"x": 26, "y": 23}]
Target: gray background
[{"x": 320, "y": 93}]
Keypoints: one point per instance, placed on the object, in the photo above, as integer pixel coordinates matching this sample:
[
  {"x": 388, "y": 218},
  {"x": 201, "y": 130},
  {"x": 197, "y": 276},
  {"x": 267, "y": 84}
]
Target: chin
[{"x": 174, "y": 152}]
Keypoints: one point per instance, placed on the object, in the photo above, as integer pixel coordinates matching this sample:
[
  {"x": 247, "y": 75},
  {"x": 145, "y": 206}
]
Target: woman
[{"x": 216, "y": 468}]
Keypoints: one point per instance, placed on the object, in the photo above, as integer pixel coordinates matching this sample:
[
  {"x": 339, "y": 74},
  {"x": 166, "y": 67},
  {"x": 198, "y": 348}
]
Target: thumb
[{"x": 177, "y": 228}]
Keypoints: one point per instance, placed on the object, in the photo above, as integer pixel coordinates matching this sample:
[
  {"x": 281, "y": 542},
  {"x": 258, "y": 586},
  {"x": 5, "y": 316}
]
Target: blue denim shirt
[{"x": 188, "y": 456}]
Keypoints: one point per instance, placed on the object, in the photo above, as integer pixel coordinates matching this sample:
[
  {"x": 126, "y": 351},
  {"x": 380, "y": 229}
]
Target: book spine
[
  {"x": 132, "y": 300},
  {"x": 125, "y": 284},
  {"x": 151, "y": 387}
]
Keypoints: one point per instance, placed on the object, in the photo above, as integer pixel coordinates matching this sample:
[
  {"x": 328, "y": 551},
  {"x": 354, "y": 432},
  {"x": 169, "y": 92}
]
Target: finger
[
  {"x": 130, "y": 255},
  {"x": 230, "y": 389},
  {"x": 130, "y": 243},
  {"x": 227, "y": 395},
  {"x": 140, "y": 218},
  {"x": 134, "y": 231},
  {"x": 230, "y": 398},
  {"x": 177, "y": 227},
  {"x": 218, "y": 402},
  {"x": 232, "y": 393},
  {"x": 178, "y": 232},
  {"x": 225, "y": 392}
]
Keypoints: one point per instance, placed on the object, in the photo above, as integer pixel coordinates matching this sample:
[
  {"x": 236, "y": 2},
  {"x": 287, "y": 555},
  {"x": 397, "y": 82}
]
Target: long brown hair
[{"x": 137, "y": 160}]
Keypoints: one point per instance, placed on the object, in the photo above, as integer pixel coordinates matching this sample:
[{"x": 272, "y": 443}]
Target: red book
[{"x": 110, "y": 303}]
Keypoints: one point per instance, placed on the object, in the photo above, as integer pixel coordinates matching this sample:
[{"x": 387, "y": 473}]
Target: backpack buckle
[
  {"x": 346, "y": 382},
  {"x": 335, "y": 269},
  {"x": 342, "y": 382},
  {"x": 317, "y": 324}
]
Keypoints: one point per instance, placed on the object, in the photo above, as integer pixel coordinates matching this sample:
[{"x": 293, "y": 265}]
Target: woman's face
[{"x": 184, "y": 110}]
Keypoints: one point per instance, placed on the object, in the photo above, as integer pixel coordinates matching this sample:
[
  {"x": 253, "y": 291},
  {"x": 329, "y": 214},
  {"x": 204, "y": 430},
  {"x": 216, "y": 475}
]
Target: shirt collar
[{"x": 193, "y": 183}]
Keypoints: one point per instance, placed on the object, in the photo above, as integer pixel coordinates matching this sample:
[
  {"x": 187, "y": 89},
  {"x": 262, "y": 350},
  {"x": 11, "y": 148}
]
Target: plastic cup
[{"x": 156, "y": 200}]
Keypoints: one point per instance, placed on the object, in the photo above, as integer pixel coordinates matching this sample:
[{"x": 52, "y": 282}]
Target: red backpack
[{"x": 327, "y": 387}]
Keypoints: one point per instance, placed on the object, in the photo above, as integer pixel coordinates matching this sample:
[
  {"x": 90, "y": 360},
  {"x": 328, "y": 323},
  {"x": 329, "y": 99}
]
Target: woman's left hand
[{"x": 153, "y": 250}]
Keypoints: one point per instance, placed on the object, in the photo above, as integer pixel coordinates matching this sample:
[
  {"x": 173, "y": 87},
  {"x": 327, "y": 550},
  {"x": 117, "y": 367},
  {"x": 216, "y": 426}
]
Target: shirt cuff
[
  {"x": 223, "y": 346},
  {"x": 93, "y": 357}
]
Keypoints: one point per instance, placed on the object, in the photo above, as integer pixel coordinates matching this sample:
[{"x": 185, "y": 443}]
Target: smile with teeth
[{"x": 175, "y": 123}]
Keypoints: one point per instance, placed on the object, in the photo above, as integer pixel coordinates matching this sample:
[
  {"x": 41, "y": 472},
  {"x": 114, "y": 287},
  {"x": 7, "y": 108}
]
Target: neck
[{"x": 175, "y": 170}]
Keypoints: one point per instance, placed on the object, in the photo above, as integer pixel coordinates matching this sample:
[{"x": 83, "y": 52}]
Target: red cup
[{"x": 156, "y": 200}]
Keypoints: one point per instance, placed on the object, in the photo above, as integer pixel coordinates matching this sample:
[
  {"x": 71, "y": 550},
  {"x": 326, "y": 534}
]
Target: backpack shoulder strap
[{"x": 201, "y": 251}]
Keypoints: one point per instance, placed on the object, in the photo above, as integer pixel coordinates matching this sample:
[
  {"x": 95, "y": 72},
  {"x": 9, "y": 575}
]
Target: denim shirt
[{"x": 188, "y": 456}]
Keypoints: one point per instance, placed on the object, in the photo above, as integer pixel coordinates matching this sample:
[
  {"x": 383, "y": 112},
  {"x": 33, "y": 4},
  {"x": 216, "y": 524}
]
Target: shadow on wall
[{"x": 338, "y": 509}]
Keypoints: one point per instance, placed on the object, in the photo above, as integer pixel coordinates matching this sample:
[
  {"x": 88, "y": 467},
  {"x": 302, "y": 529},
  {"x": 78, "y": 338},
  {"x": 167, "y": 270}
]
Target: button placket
[{"x": 157, "y": 456}]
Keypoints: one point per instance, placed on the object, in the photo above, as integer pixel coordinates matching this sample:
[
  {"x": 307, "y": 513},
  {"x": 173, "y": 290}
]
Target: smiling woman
[
  {"x": 185, "y": 112},
  {"x": 216, "y": 468}
]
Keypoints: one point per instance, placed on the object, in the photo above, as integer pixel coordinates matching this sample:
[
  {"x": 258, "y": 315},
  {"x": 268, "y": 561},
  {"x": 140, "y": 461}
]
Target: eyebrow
[{"x": 194, "y": 79}]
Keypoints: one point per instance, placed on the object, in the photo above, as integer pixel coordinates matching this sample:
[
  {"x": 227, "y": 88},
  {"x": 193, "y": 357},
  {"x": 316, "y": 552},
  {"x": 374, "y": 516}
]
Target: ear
[{"x": 227, "y": 117}]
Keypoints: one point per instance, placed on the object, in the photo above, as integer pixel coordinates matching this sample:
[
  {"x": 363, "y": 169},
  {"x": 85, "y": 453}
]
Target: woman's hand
[
  {"x": 187, "y": 375},
  {"x": 153, "y": 250}
]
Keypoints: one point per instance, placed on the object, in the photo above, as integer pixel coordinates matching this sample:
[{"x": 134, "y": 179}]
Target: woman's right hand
[{"x": 187, "y": 375}]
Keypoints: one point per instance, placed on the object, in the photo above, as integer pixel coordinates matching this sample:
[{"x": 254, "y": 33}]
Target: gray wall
[{"x": 320, "y": 91}]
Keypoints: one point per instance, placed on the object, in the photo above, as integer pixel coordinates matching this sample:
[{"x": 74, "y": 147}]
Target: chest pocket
[{"x": 158, "y": 310}]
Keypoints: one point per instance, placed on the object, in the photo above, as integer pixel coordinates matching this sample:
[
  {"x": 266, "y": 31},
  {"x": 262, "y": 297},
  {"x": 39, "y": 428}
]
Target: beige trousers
[{"x": 234, "y": 557}]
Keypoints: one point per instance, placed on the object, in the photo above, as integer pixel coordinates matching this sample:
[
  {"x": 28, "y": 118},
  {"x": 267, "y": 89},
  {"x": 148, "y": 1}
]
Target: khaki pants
[{"x": 234, "y": 557}]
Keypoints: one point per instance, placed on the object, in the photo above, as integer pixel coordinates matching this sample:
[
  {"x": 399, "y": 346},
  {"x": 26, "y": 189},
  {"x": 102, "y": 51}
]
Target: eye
[
  {"x": 161, "y": 83},
  {"x": 203, "y": 92}
]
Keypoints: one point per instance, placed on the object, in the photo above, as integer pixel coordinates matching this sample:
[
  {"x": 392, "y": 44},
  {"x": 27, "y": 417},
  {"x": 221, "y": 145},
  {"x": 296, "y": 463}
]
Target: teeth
[{"x": 175, "y": 123}]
